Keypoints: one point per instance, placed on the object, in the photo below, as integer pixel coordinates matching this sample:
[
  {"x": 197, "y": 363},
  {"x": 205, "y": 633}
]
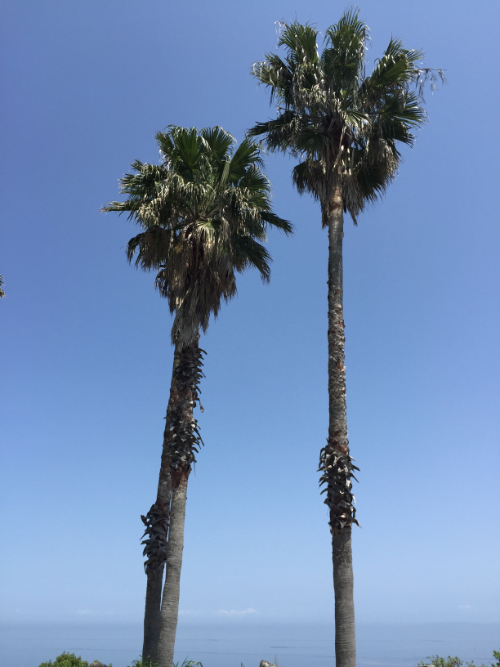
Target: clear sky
[{"x": 86, "y": 358}]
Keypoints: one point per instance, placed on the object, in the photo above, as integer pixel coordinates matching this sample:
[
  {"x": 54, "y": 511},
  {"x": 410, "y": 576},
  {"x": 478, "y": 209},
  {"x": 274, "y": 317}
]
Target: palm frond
[
  {"x": 300, "y": 41},
  {"x": 343, "y": 56},
  {"x": 248, "y": 252},
  {"x": 247, "y": 155},
  {"x": 275, "y": 221},
  {"x": 219, "y": 141}
]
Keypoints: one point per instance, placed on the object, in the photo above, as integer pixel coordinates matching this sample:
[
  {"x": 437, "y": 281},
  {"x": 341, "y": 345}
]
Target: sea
[{"x": 237, "y": 645}]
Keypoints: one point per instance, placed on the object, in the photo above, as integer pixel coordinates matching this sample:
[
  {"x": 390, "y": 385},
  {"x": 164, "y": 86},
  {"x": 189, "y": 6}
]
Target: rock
[{"x": 96, "y": 663}]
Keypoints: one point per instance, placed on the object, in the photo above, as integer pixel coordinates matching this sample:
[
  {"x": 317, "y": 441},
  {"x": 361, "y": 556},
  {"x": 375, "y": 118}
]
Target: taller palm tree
[
  {"x": 204, "y": 212},
  {"x": 344, "y": 126}
]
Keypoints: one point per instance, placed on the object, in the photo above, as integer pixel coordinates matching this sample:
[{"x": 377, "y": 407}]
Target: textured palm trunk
[
  {"x": 171, "y": 591},
  {"x": 152, "y": 613},
  {"x": 181, "y": 443},
  {"x": 155, "y": 573},
  {"x": 337, "y": 462}
]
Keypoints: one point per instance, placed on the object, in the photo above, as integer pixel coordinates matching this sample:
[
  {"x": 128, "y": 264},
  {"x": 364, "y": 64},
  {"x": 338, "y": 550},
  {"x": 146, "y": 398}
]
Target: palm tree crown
[
  {"x": 343, "y": 124},
  {"x": 204, "y": 211}
]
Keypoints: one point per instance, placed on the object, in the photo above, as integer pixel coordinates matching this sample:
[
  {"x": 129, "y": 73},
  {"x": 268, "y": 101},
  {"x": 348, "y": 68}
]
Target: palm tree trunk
[
  {"x": 343, "y": 582},
  {"x": 171, "y": 591},
  {"x": 335, "y": 460},
  {"x": 181, "y": 442},
  {"x": 155, "y": 571},
  {"x": 152, "y": 613}
]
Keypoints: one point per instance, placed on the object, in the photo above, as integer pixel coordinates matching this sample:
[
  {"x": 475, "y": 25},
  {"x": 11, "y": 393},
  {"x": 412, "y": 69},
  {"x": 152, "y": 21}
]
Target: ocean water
[{"x": 233, "y": 645}]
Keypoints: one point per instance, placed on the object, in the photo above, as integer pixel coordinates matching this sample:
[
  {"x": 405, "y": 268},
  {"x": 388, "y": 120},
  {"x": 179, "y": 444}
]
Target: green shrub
[
  {"x": 66, "y": 660},
  {"x": 437, "y": 661},
  {"x": 442, "y": 662}
]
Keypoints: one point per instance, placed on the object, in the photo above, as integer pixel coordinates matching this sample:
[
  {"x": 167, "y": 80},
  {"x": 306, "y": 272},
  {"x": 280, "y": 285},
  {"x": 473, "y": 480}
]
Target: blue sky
[{"x": 86, "y": 358}]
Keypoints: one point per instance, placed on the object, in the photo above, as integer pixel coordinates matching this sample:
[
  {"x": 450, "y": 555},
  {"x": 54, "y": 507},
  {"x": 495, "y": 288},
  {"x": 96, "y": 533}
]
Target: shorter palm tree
[{"x": 204, "y": 213}]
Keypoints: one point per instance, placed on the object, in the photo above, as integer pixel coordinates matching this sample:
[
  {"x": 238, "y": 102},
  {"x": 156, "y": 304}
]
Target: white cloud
[
  {"x": 84, "y": 611},
  {"x": 186, "y": 612},
  {"x": 237, "y": 612}
]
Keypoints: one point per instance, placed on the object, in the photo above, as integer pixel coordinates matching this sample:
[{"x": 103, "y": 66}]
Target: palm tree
[
  {"x": 2, "y": 293},
  {"x": 204, "y": 212},
  {"x": 344, "y": 127}
]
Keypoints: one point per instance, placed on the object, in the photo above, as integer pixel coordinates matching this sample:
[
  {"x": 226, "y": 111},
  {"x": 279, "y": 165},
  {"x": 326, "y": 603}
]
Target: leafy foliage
[
  {"x": 66, "y": 660},
  {"x": 437, "y": 661},
  {"x": 204, "y": 212},
  {"x": 70, "y": 660}
]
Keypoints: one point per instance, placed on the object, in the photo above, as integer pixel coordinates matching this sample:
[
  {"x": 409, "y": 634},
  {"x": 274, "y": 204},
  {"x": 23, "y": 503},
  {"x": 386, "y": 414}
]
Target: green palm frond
[
  {"x": 247, "y": 155},
  {"x": 278, "y": 223},
  {"x": 220, "y": 142},
  {"x": 247, "y": 252},
  {"x": 188, "y": 150},
  {"x": 255, "y": 185},
  {"x": 300, "y": 41},
  {"x": 349, "y": 32},
  {"x": 343, "y": 57}
]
